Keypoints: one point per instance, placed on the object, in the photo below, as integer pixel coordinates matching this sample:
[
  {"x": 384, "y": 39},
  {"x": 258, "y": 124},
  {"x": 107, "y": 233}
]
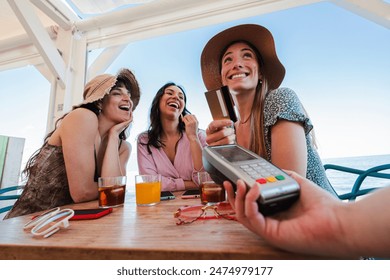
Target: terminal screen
[{"x": 233, "y": 153}]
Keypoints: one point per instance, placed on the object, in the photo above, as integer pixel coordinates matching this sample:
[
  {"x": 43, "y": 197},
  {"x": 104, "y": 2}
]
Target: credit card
[{"x": 221, "y": 104}]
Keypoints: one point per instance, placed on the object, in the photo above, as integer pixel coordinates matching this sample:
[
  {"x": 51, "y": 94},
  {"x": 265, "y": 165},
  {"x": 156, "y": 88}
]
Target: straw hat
[
  {"x": 258, "y": 36},
  {"x": 101, "y": 85}
]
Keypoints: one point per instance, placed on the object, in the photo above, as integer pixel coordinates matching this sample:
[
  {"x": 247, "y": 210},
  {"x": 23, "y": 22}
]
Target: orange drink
[
  {"x": 147, "y": 193},
  {"x": 147, "y": 189}
]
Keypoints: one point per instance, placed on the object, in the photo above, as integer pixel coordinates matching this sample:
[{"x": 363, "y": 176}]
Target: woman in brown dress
[{"x": 86, "y": 143}]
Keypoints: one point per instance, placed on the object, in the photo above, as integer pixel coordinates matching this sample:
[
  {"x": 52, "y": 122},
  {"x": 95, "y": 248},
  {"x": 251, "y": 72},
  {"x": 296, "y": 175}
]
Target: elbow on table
[{"x": 83, "y": 196}]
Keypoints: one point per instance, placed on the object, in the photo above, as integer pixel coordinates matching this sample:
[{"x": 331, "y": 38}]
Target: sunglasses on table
[
  {"x": 49, "y": 222},
  {"x": 189, "y": 214}
]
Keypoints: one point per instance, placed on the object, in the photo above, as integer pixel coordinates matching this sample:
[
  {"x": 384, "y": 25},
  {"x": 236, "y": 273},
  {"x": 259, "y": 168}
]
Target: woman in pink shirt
[{"x": 173, "y": 144}]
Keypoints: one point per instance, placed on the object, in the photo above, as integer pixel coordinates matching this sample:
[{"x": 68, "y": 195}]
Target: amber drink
[
  {"x": 111, "y": 191},
  {"x": 210, "y": 192}
]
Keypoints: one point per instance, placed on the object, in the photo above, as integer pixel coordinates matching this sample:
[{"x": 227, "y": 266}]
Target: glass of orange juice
[{"x": 147, "y": 189}]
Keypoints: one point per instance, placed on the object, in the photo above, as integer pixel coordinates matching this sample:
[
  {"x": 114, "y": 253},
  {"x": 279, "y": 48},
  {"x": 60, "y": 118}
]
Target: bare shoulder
[
  {"x": 125, "y": 147},
  {"x": 81, "y": 114},
  {"x": 81, "y": 122},
  {"x": 81, "y": 118}
]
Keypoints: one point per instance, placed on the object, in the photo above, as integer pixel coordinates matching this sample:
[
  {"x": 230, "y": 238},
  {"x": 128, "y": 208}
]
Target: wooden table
[{"x": 142, "y": 233}]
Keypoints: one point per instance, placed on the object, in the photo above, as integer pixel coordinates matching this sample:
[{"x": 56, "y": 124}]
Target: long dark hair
[
  {"x": 95, "y": 107},
  {"x": 155, "y": 128}
]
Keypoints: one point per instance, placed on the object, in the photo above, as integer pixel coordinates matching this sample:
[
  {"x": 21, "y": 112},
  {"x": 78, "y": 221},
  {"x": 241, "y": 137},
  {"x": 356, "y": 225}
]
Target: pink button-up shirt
[{"x": 173, "y": 175}]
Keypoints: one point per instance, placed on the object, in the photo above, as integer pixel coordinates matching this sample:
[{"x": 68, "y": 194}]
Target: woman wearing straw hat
[
  {"x": 86, "y": 143},
  {"x": 272, "y": 122}
]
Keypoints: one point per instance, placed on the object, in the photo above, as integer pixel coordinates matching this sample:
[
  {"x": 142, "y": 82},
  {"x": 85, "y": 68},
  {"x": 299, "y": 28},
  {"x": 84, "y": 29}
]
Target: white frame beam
[
  {"x": 24, "y": 10},
  {"x": 374, "y": 10},
  {"x": 58, "y": 12},
  {"x": 104, "y": 60},
  {"x": 20, "y": 57},
  {"x": 146, "y": 21}
]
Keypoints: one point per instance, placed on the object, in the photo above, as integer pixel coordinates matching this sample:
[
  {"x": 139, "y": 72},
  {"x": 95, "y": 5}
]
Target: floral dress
[{"x": 283, "y": 103}]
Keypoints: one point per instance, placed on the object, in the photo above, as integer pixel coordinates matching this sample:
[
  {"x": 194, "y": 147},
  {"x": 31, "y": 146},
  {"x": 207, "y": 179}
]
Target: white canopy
[{"x": 55, "y": 35}]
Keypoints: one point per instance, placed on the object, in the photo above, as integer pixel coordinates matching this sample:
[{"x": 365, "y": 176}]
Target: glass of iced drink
[
  {"x": 210, "y": 192},
  {"x": 111, "y": 191}
]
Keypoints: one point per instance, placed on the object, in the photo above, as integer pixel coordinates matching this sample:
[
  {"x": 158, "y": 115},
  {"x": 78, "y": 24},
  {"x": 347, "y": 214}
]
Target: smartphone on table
[
  {"x": 193, "y": 193},
  {"x": 88, "y": 214},
  {"x": 167, "y": 195}
]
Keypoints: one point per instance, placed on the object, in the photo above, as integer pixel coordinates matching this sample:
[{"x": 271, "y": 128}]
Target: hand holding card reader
[{"x": 233, "y": 162}]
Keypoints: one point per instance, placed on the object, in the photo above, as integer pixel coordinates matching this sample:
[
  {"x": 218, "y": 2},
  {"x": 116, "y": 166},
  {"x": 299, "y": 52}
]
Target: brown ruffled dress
[{"x": 47, "y": 186}]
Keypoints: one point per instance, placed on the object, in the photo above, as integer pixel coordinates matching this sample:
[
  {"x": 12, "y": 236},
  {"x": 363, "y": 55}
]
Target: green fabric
[{"x": 3, "y": 150}]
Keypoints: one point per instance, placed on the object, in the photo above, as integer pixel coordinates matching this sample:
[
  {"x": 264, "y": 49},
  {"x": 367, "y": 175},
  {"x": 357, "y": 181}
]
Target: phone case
[{"x": 89, "y": 214}]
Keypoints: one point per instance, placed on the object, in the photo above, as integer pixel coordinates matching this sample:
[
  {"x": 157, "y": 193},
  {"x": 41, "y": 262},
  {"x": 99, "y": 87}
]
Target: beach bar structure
[
  {"x": 11, "y": 153},
  {"x": 52, "y": 36}
]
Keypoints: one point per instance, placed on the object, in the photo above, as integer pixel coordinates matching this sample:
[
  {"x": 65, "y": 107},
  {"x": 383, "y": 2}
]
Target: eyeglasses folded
[
  {"x": 189, "y": 214},
  {"x": 49, "y": 222}
]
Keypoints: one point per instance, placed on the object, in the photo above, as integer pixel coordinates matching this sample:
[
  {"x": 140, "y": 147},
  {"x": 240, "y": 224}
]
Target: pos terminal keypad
[
  {"x": 232, "y": 162},
  {"x": 262, "y": 172}
]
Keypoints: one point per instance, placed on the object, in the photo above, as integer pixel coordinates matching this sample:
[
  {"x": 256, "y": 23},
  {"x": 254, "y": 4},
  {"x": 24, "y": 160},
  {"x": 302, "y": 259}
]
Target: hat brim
[
  {"x": 259, "y": 37},
  {"x": 101, "y": 85},
  {"x": 98, "y": 87}
]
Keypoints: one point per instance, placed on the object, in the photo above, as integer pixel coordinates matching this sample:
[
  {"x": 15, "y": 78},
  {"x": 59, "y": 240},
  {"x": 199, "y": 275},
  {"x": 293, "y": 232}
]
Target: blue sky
[{"x": 337, "y": 62}]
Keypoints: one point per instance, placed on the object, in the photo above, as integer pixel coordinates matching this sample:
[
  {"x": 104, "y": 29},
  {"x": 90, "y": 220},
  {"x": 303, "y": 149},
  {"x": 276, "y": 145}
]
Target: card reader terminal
[{"x": 233, "y": 162}]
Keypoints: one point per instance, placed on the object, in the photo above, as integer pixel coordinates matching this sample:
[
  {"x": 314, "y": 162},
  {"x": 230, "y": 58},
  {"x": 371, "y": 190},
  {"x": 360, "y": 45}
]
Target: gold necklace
[{"x": 245, "y": 121}]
